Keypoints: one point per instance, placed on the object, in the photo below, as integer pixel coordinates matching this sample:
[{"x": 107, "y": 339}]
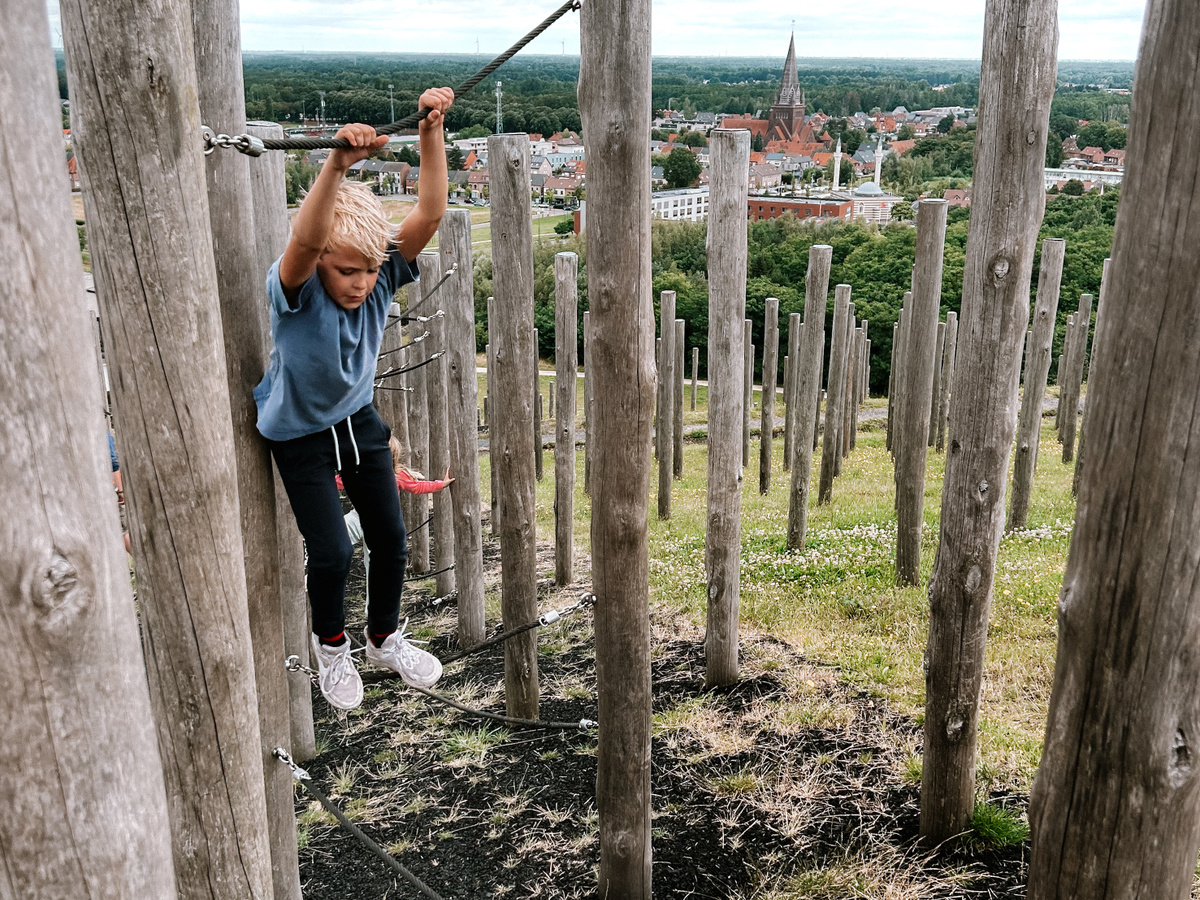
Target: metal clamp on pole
[
  {"x": 286, "y": 758},
  {"x": 244, "y": 143}
]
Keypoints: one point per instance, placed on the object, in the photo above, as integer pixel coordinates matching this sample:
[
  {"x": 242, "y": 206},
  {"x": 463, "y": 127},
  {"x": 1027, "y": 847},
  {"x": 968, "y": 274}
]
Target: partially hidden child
[{"x": 329, "y": 297}]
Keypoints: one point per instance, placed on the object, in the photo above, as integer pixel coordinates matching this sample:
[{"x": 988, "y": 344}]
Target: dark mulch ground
[{"x": 789, "y": 784}]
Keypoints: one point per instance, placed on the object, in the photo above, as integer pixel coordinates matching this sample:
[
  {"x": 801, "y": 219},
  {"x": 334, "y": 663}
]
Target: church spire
[{"x": 789, "y": 89}]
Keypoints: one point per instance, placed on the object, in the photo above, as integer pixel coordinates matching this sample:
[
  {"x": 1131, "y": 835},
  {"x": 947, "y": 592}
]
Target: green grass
[{"x": 995, "y": 826}]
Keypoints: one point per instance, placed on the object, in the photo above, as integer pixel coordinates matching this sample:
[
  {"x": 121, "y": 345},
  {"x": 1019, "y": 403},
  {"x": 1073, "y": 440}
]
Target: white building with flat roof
[{"x": 684, "y": 204}]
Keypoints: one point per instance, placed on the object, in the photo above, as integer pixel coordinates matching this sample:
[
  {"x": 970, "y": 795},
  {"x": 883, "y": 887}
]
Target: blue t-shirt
[{"x": 323, "y": 361}]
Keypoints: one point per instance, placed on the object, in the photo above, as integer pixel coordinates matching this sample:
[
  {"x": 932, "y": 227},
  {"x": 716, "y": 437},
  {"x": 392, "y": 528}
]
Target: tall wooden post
[
  {"x": 1078, "y": 476},
  {"x": 891, "y": 388},
  {"x": 935, "y": 401},
  {"x": 1114, "y": 810},
  {"x": 1037, "y": 368},
  {"x": 1083, "y": 323},
  {"x": 79, "y": 767},
  {"x": 677, "y": 427},
  {"x": 1016, "y": 86},
  {"x": 216, "y": 33},
  {"x": 666, "y": 400},
  {"x": 806, "y": 375},
  {"x": 489, "y": 352},
  {"x": 462, "y": 402},
  {"x": 747, "y": 387},
  {"x": 831, "y": 446},
  {"x": 919, "y": 348},
  {"x": 512, "y": 340},
  {"x": 268, "y": 192},
  {"x": 587, "y": 402},
  {"x": 538, "y": 446},
  {"x": 1063, "y": 374},
  {"x": 566, "y": 329},
  {"x": 789, "y": 401},
  {"x": 860, "y": 376},
  {"x": 614, "y": 103},
  {"x": 770, "y": 367},
  {"x": 135, "y": 128},
  {"x": 695, "y": 375},
  {"x": 418, "y": 417},
  {"x": 900, "y": 384},
  {"x": 726, "y": 395},
  {"x": 948, "y": 360},
  {"x": 847, "y": 390},
  {"x": 439, "y": 437}
]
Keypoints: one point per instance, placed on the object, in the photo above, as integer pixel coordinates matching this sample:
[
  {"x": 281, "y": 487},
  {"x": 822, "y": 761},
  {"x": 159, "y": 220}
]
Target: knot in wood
[
  {"x": 974, "y": 579},
  {"x": 57, "y": 590},
  {"x": 1180, "y": 766},
  {"x": 983, "y": 489},
  {"x": 955, "y": 723},
  {"x": 1031, "y": 138},
  {"x": 999, "y": 267}
]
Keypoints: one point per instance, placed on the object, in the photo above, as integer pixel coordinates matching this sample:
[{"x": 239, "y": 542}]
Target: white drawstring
[
  {"x": 353, "y": 442},
  {"x": 337, "y": 450}
]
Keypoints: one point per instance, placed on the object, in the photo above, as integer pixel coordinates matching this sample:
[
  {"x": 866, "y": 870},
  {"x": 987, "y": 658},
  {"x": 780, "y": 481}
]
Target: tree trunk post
[
  {"x": 566, "y": 351},
  {"x": 135, "y": 129},
  {"x": 900, "y": 383},
  {"x": 806, "y": 376},
  {"x": 767, "y": 419},
  {"x": 666, "y": 400},
  {"x": 489, "y": 352},
  {"x": 1016, "y": 87},
  {"x": 550, "y": 395},
  {"x": 418, "y": 417},
  {"x": 860, "y": 383},
  {"x": 847, "y": 389},
  {"x": 1064, "y": 374},
  {"x": 726, "y": 397},
  {"x": 1078, "y": 476},
  {"x": 268, "y": 198},
  {"x": 512, "y": 255},
  {"x": 658, "y": 398},
  {"x": 747, "y": 387},
  {"x": 614, "y": 104},
  {"x": 891, "y": 388},
  {"x": 677, "y": 408},
  {"x": 834, "y": 404},
  {"x": 935, "y": 401},
  {"x": 919, "y": 348},
  {"x": 79, "y": 765},
  {"x": 462, "y": 401},
  {"x": 789, "y": 401},
  {"x": 439, "y": 438},
  {"x": 1083, "y": 322},
  {"x": 538, "y": 460},
  {"x": 1037, "y": 368},
  {"x": 948, "y": 359},
  {"x": 1114, "y": 810},
  {"x": 695, "y": 375},
  {"x": 587, "y": 402}
]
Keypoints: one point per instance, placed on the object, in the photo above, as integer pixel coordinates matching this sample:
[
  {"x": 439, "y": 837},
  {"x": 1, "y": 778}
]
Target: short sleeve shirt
[{"x": 322, "y": 364}]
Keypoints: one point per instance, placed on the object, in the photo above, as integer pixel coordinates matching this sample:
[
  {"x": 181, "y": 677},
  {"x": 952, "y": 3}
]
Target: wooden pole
[
  {"x": 79, "y": 766},
  {"x": 439, "y": 437},
  {"x": 1037, "y": 369},
  {"x": 462, "y": 393},
  {"x": 891, "y": 388},
  {"x": 918, "y": 371},
  {"x": 834, "y": 405},
  {"x": 747, "y": 387},
  {"x": 860, "y": 379},
  {"x": 566, "y": 329},
  {"x": 1083, "y": 322},
  {"x": 1078, "y": 476},
  {"x": 1114, "y": 810},
  {"x": 935, "y": 401},
  {"x": 587, "y": 402},
  {"x": 808, "y": 350},
  {"x": 135, "y": 130},
  {"x": 216, "y": 33},
  {"x": 658, "y": 399},
  {"x": 550, "y": 395},
  {"x": 948, "y": 360},
  {"x": 789, "y": 401},
  {"x": 490, "y": 355},
  {"x": 268, "y": 193},
  {"x": 538, "y": 447},
  {"x": 614, "y": 104},
  {"x": 512, "y": 281},
  {"x": 770, "y": 367},
  {"x": 666, "y": 400},
  {"x": 1063, "y": 375},
  {"x": 900, "y": 382},
  {"x": 418, "y": 420},
  {"x": 730, "y": 151},
  {"x": 695, "y": 375},
  {"x": 1016, "y": 87},
  {"x": 677, "y": 427}
]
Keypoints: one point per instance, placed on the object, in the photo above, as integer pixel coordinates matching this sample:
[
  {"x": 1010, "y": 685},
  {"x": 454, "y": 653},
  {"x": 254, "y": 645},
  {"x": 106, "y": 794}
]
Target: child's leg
[
  {"x": 307, "y": 468},
  {"x": 371, "y": 487}
]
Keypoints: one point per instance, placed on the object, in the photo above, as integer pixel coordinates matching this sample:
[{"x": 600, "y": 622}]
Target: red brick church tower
[{"x": 787, "y": 111}]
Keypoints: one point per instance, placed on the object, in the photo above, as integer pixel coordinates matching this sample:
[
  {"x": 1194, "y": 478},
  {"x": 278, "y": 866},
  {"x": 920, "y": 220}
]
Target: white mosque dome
[{"x": 869, "y": 189}]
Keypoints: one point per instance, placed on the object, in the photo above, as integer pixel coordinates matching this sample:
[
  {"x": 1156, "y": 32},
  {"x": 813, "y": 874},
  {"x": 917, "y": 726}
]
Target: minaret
[
  {"x": 878, "y": 156},
  {"x": 837, "y": 164}
]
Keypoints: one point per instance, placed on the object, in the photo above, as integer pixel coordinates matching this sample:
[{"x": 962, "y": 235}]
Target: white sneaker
[
  {"x": 336, "y": 676},
  {"x": 397, "y": 653}
]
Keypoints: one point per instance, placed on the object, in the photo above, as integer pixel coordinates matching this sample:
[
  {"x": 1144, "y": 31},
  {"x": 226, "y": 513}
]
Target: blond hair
[
  {"x": 359, "y": 223},
  {"x": 398, "y": 455}
]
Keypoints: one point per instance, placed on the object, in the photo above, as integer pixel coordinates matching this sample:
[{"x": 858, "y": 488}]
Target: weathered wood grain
[
  {"x": 677, "y": 427},
  {"x": 769, "y": 380},
  {"x": 949, "y": 358},
  {"x": 566, "y": 351},
  {"x": 439, "y": 437},
  {"x": 1083, "y": 324},
  {"x": 832, "y": 437},
  {"x": 666, "y": 400}
]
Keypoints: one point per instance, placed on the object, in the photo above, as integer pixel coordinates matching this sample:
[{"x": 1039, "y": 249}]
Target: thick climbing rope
[
  {"x": 305, "y": 779},
  {"x": 254, "y": 146}
]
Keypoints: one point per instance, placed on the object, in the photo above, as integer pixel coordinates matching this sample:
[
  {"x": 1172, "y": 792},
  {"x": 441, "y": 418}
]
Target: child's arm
[
  {"x": 310, "y": 228},
  {"x": 422, "y": 223}
]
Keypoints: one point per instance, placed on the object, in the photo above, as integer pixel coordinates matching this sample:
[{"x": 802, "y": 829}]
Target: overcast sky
[{"x": 1089, "y": 29}]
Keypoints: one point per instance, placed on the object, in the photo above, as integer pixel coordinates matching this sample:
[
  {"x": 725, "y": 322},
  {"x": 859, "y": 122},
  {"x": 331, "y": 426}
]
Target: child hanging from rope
[
  {"x": 407, "y": 480},
  {"x": 329, "y": 298}
]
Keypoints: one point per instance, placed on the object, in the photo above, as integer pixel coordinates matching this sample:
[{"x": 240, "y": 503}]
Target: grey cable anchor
[
  {"x": 420, "y": 320},
  {"x": 246, "y": 143}
]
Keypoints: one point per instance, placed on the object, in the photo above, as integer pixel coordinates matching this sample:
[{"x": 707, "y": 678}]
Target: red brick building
[{"x": 761, "y": 208}]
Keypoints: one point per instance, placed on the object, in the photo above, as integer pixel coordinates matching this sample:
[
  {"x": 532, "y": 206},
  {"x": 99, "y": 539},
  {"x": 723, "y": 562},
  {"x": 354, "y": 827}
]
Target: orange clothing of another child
[{"x": 408, "y": 484}]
